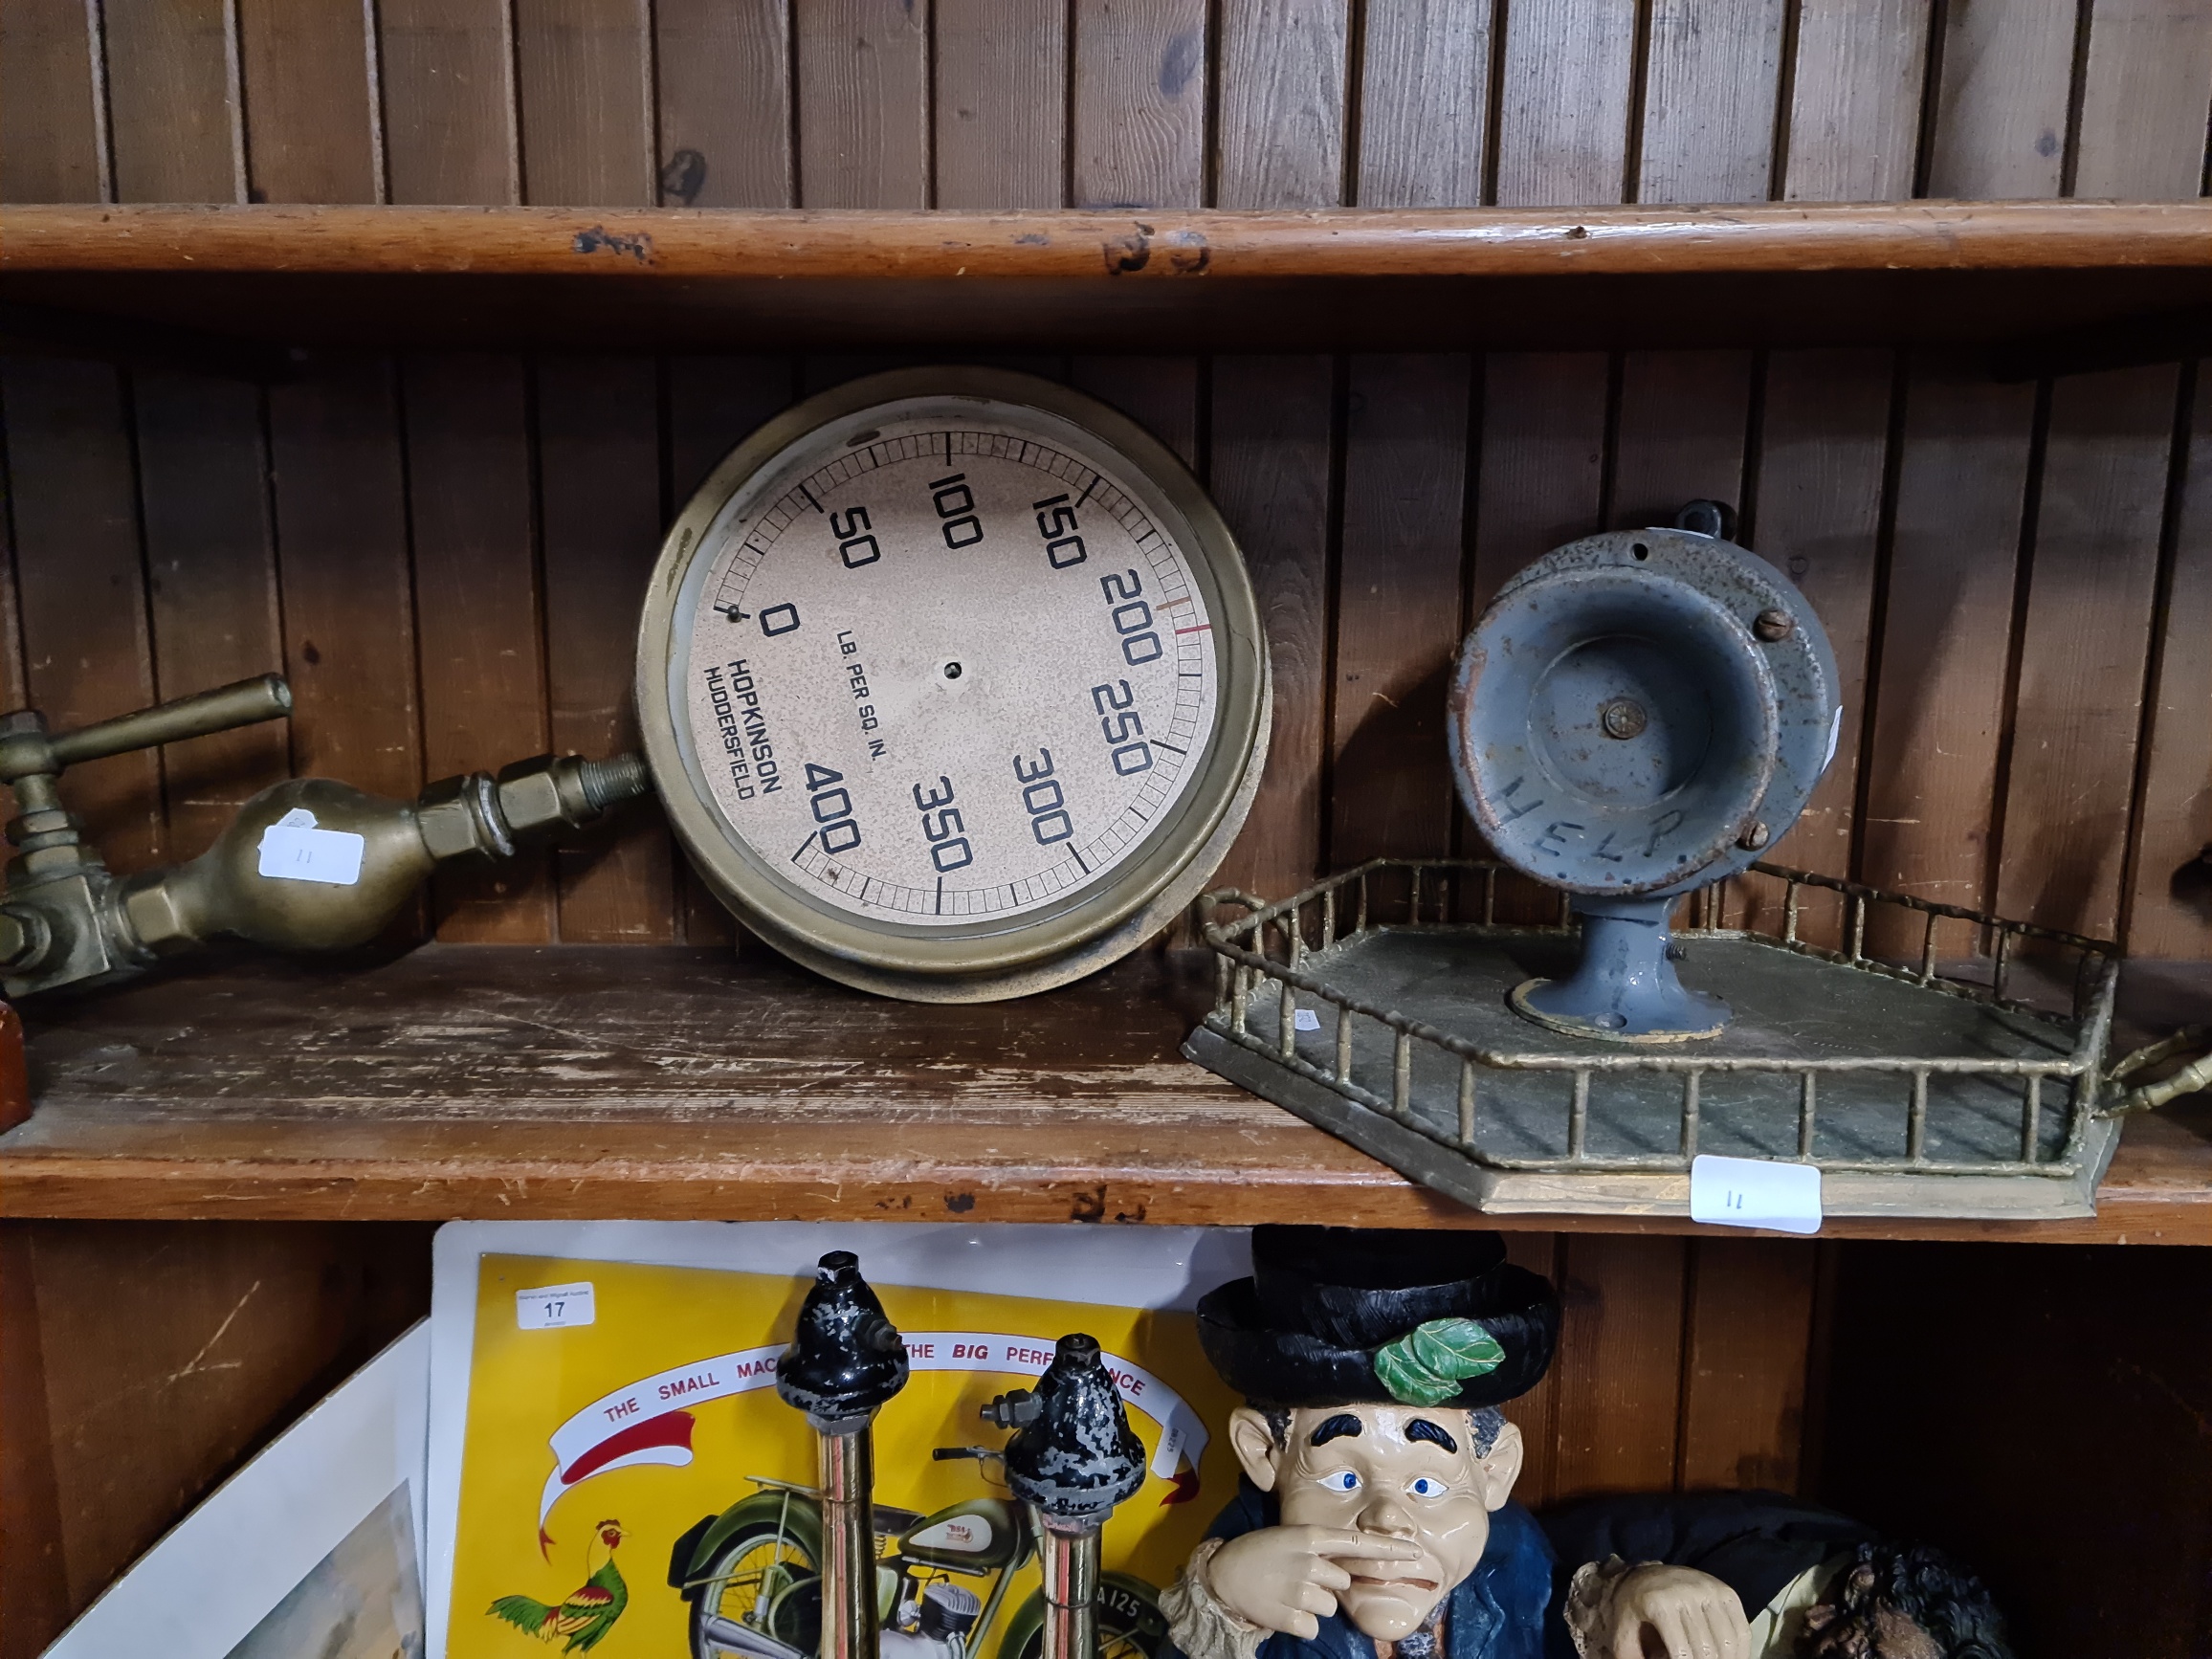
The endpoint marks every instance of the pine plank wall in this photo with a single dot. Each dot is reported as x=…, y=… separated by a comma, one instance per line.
x=444, y=552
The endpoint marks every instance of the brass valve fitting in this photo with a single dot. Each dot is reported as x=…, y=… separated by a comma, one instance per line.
x=229, y=888
x=307, y=864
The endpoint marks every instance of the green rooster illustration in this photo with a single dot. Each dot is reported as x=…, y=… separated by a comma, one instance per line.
x=587, y=1615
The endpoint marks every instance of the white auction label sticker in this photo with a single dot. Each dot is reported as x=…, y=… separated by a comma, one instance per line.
x=555, y=1307
x=1305, y=1020
x=293, y=850
x=1755, y=1192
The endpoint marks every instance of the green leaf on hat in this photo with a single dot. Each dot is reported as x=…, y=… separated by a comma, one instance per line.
x=1456, y=1348
x=1408, y=1382
x=1428, y=1364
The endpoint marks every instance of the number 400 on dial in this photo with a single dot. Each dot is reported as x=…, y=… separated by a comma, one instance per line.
x=953, y=684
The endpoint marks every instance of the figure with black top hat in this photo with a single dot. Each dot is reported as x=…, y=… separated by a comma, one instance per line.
x=1375, y=1519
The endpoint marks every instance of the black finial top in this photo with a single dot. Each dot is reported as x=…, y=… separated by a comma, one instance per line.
x=847, y=1358
x=1077, y=1458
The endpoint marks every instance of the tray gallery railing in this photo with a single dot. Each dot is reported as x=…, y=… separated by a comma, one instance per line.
x=1267, y=957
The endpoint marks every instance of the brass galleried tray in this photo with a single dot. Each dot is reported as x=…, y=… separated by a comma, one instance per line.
x=1374, y=1005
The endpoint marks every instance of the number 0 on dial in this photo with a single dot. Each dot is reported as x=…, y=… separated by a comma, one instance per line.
x=953, y=684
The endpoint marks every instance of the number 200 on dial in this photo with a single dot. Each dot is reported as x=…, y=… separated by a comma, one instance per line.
x=953, y=684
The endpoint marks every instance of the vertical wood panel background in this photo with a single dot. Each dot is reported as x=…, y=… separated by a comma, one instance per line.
x=1424, y=103
x=444, y=552
x=51, y=127
x=308, y=69
x=1001, y=94
x=211, y=585
x=175, y=107
x=1136, y=120
x=446, y=72
x=479, y=600
x=724, y=88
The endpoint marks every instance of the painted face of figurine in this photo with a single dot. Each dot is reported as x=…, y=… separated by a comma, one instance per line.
x=1402, y=1471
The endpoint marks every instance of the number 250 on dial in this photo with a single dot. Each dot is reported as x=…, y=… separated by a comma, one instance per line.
x=952, y=682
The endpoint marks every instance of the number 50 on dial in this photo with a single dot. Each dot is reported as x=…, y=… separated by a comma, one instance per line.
x=953, y=684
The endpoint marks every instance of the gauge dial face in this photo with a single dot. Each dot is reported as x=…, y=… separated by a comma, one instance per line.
x=947, y=667
x=952, y=673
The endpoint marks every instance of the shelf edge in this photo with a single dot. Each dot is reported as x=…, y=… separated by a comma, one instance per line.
x=1164, y=246
x=67, y=1187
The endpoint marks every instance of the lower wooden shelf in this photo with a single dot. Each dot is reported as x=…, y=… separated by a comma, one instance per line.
x=623, y=1081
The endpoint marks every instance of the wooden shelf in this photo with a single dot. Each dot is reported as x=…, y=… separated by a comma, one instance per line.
x=1148, y=246
x=1905, y=271
x=625, y=1081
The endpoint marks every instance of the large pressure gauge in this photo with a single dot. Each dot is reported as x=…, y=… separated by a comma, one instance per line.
x=953, y=684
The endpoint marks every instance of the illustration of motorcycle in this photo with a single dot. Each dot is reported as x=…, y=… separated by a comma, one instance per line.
x=752, y=1577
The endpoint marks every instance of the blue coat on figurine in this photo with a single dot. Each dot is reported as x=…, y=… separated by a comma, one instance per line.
x=1375, y=1519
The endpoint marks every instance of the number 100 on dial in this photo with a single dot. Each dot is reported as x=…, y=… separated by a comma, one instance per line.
x=953, y=684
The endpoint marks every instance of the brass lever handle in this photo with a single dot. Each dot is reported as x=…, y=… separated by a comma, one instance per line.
x=27, y=749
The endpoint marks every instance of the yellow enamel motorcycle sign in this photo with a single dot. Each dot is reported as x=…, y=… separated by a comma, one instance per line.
x=632, y=1485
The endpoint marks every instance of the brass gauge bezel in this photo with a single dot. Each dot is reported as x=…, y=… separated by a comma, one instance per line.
x=991, y=958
